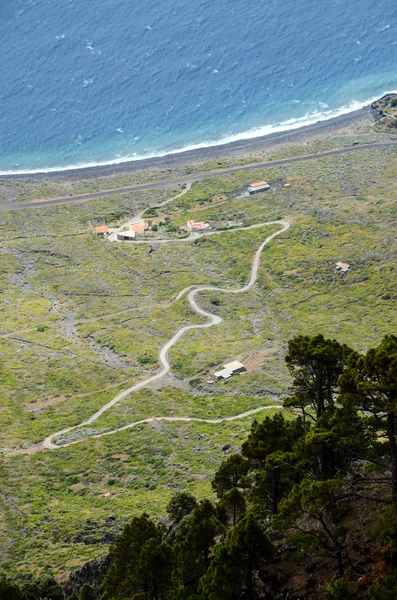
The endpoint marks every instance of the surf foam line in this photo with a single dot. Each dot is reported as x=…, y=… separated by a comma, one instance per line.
x=289, y=125
x=165, y=367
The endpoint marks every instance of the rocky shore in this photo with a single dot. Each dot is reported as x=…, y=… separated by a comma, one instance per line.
x=173, y=162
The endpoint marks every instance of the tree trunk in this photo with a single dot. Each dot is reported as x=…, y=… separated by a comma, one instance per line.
x=391, y=434
x=275, y=480
x=339, y=558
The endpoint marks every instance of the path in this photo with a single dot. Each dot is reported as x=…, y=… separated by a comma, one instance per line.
x=163, y=353
x=191, y=178
x=113, y=236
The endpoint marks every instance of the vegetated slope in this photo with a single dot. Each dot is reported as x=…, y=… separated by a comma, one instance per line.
x=90, y=317
x=306, y=509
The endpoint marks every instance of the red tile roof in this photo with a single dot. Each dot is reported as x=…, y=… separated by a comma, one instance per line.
x=259, y=183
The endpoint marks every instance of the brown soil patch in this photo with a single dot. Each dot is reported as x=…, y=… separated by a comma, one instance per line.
x=253, y=362
x=295, y=180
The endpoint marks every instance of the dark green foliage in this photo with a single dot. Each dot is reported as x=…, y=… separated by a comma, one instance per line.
x=31, y=590
x=315, y=511
x=181, y=505
x=142, y=563
x=10, y=591
x=384, y=589
x=341, y=589
x=193, y=544
x=370, y=385
x=315, y=365
x=233, y=573
x=87, y=592
x=266, y=448
x=232, y=507
x=229, y=474
x=50, y=589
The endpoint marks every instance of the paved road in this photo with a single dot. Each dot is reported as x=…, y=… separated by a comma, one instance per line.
x=191, y=178
x=163, y=353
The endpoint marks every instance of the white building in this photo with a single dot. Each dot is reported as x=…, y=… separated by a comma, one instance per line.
x=229, y=370
x=258, y=186
x=126, y=236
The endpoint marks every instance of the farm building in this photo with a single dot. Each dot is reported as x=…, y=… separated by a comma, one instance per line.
x=342, y=267
x=126, y=236
x=197, y=226
x=102, y=230
x=139, y=227
x=229, y=370
x=258, y=186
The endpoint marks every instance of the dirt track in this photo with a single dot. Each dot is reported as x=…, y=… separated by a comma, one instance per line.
x=191, y=178
x=163, y=352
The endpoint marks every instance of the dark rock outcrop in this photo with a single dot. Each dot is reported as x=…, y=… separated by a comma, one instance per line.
x=92, y=572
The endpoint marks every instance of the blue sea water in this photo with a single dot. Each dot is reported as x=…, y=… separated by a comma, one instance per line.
x=88, y=82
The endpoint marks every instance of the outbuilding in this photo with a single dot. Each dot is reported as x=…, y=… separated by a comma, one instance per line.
x=102, y=230
x=197, y=225
x=126, y=236
x=258, y=186
x=229, y=370
x=235, y=367
x=342, y=267
x=223, y=374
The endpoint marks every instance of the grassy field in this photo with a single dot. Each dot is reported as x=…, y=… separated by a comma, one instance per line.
x=82, y=319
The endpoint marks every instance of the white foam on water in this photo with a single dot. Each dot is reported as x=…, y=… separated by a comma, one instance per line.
x=290, y=124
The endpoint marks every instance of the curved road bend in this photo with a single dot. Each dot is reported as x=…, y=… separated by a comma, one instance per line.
x=192, y=178
x=163, y=352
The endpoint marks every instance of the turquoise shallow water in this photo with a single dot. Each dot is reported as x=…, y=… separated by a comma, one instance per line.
x=86, y=82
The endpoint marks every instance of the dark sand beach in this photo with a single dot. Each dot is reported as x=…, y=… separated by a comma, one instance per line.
x=213, y=153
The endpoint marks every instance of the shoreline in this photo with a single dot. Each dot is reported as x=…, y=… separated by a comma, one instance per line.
x=209, y=153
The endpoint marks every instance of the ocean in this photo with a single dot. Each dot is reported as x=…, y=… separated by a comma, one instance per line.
x=87, y=82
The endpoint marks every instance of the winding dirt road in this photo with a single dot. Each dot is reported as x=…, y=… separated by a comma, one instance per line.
x=164, y=350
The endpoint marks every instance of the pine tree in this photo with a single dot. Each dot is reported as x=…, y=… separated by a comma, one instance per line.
x=193, y=543
x=126, y=576
x=232, y=507
x=266, y=448
x=181, y=505
x=51, y=589
x=233, y=573
x=314, y=511
x=10, y=591
x=369, y=384
x=315, y=364
x=87, y=592
x=384, y=589
x=229, y=474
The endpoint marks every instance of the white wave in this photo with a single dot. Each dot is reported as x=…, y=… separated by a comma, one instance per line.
x=290, y=124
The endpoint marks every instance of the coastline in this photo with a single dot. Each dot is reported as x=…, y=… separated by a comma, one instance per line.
x=210, y=153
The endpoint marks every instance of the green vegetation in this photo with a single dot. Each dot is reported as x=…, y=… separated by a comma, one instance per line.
x=81, y=319
x=242, y=546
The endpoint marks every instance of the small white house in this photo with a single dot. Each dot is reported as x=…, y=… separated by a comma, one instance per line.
x=258, y=186
x=126, y=236
x=223, y=374
x=235, y=367
x=229, y=370
x=198, y=226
